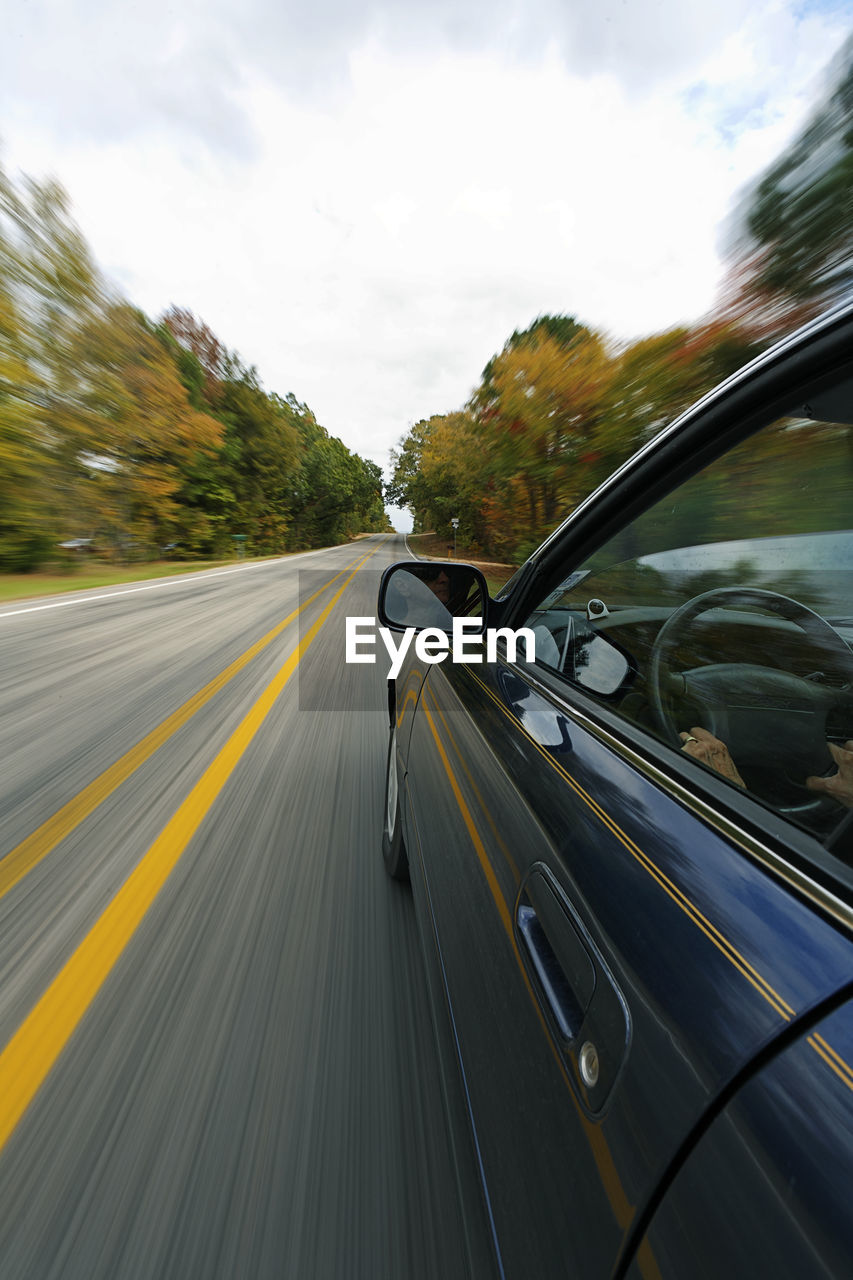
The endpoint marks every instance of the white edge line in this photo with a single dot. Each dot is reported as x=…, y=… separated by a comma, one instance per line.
x=202, y=575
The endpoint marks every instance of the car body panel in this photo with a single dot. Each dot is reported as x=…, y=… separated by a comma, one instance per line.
x=482, y=1248
x=405, y=704
x=672, y=918
x=779, y=1159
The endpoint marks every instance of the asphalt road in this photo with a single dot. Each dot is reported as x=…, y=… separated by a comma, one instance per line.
x=216, y=1055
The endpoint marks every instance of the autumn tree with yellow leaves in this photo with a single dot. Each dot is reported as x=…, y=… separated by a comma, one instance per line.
x=557, y=410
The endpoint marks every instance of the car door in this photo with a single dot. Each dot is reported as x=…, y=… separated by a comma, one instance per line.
x=623, y=932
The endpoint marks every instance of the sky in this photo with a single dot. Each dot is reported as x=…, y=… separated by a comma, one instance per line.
x=364, y=199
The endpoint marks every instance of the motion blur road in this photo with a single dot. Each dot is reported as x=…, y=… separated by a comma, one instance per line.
x=217, y=1056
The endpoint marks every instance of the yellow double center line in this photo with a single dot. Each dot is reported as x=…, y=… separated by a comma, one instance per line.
x=20, y=860
x=32, y=1051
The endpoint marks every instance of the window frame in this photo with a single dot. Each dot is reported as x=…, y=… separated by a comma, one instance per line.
x=774, y=387
x=737, y=409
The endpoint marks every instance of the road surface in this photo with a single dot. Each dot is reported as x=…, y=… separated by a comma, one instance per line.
x=216, y=1052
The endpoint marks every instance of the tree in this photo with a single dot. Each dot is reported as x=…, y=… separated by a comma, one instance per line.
x=49, y=291
x=209, y=360
x=789, y=242
x=538, y=415
x=555, y=414
x=260, y=459
x=136, y=433
x=336, y=493
x=437, y=472
x=656, y=378
x=139, y=434
x=406, y=487
x=25, y=516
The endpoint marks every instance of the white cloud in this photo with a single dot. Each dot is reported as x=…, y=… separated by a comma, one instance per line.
x=366, y=215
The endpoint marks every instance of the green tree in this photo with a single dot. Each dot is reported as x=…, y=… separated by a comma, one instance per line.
x=49, y=291
x=438, y=474
x=336, y=493
x=260, y=459
x=789, y=246
x=26, y=524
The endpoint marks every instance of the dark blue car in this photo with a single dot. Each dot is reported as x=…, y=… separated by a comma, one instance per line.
x=631, y=854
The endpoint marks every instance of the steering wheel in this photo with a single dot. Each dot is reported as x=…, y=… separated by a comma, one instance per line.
x=767, y=718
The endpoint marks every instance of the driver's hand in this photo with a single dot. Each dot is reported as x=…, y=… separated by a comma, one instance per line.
x=840, y=785
x=703, y=746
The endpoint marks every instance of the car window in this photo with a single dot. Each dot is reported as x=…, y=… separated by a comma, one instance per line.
x=721, y=619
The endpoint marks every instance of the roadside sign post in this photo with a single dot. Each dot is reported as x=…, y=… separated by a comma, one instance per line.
x=455, y=523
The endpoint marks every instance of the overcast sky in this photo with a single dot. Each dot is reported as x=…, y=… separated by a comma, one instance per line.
x=365, y=199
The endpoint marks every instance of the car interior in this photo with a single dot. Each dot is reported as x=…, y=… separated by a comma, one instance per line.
x=729, y=605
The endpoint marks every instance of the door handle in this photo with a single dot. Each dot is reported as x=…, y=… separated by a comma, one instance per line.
x=587, y=1012
x=567, y=988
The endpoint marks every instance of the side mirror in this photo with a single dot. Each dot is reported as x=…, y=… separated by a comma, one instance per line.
x=598, y=665
x=431, y=593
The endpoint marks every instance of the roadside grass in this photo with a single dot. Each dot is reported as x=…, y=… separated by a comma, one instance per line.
x=433, y=547
x=29, y=586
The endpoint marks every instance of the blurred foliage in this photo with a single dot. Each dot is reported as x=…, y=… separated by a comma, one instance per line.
x=439, y=472
x=560, y=407
x=134, y=440
x=557, y=410
x=801, y=214
x=790, y=241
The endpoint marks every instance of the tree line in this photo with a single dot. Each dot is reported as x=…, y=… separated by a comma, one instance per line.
x=136, y=437
x=560, y=406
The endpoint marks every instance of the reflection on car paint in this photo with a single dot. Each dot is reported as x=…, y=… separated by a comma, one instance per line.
x=748, y=971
